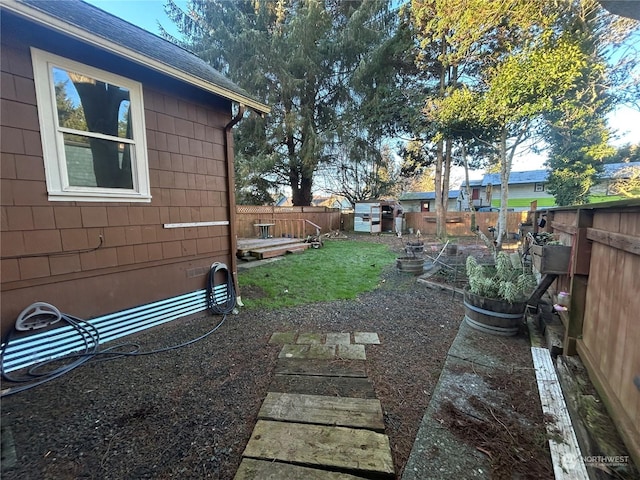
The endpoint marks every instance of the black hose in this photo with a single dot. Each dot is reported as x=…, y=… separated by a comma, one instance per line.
x=91, y=339
x=215, y=306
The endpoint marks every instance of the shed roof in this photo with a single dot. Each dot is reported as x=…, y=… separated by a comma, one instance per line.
x=103, y=30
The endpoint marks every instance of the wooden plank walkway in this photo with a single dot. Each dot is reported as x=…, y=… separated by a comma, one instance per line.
x=320, y=419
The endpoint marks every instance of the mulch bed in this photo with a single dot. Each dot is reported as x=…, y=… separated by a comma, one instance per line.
x=188, y=413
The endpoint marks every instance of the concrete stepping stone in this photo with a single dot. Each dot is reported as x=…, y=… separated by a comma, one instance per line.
x=338, y=339
x=252, y=469
x=310, y=338
x=353, y=387
x=326, y=352
x=351, y=352
x=366, y=338
x=283, y=338
x=322, y=410
x=356, y=450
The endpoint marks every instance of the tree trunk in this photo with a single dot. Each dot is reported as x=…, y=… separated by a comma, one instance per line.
x=438, y=179
x=505, y=171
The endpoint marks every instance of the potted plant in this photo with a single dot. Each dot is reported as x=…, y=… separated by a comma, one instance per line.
x=495, y=300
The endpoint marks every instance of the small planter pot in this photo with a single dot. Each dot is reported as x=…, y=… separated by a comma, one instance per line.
x=493, y=316
x=413, y=265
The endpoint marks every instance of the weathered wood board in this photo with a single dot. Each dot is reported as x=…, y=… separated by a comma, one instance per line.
x=565, y=452
x=353, y=387
x=251, y=469
x=321, y=410
x=326, y=352
x=355, y=450
x=326, y=368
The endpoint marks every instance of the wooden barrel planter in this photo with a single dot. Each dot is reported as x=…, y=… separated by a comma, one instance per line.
x=493, y=316
x=413, y=265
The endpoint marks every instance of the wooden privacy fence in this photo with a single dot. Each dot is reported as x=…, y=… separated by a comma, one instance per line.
x=603, y=321
x=459, y=223
x=294, y=222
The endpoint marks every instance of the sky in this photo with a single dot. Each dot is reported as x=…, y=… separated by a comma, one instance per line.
x=147, y=13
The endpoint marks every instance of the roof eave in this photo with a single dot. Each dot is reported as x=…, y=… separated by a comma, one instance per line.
x=87, y=37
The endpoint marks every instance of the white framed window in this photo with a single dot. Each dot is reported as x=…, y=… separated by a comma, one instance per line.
x=92, y=130
x=538, y=187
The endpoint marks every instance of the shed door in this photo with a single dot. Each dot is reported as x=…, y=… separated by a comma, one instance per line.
x=376, y=219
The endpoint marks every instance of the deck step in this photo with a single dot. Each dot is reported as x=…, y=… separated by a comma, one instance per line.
x=270, y=252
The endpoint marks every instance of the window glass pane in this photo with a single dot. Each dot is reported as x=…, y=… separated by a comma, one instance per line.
x=86, y=104
x=93, y=162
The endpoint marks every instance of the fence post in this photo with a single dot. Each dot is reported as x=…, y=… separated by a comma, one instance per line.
x=580, y=260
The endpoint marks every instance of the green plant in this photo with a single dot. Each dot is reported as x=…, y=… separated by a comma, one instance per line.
x=506, y=281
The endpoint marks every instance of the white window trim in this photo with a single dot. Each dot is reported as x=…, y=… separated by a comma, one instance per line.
x=53, y=144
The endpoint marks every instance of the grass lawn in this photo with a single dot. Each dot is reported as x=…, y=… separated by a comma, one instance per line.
x=339, y=270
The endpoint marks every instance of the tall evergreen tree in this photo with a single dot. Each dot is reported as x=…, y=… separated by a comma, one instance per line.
x=299, y=57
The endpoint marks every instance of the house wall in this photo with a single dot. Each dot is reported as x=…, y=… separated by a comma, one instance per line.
x=520, y=197
x=50, y=250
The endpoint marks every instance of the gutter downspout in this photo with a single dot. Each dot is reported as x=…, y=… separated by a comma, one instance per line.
x=231, y=187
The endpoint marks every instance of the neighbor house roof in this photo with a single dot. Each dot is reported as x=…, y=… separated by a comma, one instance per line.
x=529, y=176
x=610, y=170
x=408, y=196
x=615, y=170
x=105, y=31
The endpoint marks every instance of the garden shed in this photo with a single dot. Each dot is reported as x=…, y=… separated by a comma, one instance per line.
x=117, y=165
x=373, y=216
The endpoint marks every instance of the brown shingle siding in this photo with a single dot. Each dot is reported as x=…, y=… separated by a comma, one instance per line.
x=28, y=192
x=166, y=124
x=34, y=267
x=32, y=143
x=67, y=217
x=171, y=249
x=204, y=245
x=184, y=128
x=29, y=167
x=20, y=218
x=16, y=60
x=12, y=244
x=125, y=255
x=43, y=241
x=43, y=218
x=10, y=270
x=65, y=264
x=133, y=234
x=8, y=87
x=7, y=165
x=94, y=216
x=114, y=237
x=25, y=90
x=140, y=253
x=19, y=115
x=118, y=216
x=74, y=239
x=150, y=215
x=177, y=163
x=135, y=215
x=155, y=251
x=11, y=140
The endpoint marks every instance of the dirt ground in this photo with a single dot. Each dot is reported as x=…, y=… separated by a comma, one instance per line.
x=188, y=413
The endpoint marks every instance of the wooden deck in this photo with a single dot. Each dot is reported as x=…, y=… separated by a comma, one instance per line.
x=320, y=419
x=261, y=248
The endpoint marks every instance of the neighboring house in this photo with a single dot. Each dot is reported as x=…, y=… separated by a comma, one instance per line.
x=333, y=201
x=426, y=201
x=528, y=186
x=117, y=165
